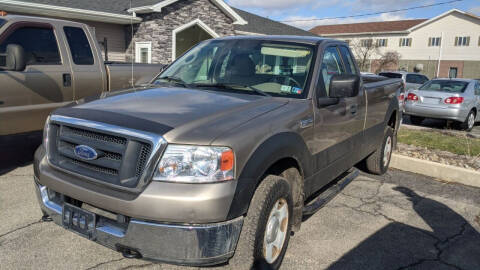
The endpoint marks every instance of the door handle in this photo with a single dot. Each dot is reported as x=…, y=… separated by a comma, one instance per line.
x=353, y=109
x=2, y=102
x=67, y=80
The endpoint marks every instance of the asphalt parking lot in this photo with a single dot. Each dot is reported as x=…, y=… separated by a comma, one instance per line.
x=397, y=221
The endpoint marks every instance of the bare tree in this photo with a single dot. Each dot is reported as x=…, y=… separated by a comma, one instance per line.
x=388, y=60
x=364, y=50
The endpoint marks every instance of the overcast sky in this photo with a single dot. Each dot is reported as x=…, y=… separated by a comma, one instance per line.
x=282, y=10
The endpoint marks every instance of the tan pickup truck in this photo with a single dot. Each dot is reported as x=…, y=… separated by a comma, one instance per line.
x=47, y=63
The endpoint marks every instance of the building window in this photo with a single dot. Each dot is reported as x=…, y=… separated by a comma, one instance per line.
x=382, y=42
x=366, y=42
x=143, y=52
x=462, y=41
x=452, y=72
x=434, y=41
x=478, y=41
x=405, y=42
x=348, y=41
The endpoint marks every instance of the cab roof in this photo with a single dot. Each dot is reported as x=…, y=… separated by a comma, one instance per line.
x=298, y=39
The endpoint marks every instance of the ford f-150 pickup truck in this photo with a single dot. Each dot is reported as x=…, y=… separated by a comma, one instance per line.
x=220, y=158
x=46, y=64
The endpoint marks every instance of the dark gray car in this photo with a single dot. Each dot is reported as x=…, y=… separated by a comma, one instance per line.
x=221, y=157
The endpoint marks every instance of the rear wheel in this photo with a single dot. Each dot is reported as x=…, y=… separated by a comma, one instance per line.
x=267, y=226
x=378, y=162
x=469, y=123
x=416, y=120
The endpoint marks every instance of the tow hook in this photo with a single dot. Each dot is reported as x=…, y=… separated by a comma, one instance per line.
x=46, y=218
x=128, y=253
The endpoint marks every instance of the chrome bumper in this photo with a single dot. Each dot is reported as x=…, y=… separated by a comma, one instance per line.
x=194, y=245
x=457, y=114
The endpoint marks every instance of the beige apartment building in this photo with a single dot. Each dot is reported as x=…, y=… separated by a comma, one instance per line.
x=443, y=46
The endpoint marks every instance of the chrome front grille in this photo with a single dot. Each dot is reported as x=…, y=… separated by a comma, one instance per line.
x=123, y=159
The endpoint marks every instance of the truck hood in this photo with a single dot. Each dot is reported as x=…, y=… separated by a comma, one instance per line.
x=179, y=114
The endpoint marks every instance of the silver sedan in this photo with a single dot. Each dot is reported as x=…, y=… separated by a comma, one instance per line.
x=450, y=99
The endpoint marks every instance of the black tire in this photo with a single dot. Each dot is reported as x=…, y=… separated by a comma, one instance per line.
x=465, y=125
x=249, y=253
x=416, y=120
x=375, y=162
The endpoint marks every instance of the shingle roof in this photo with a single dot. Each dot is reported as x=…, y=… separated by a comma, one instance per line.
x=110, y=6
x=262, y=25
x=256, y=24
x=367, y=27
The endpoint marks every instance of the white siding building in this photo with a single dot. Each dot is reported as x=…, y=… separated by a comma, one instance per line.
x=451, y=39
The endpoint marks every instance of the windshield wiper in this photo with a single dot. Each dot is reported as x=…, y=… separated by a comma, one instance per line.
x=176, y=80
x=231, y=86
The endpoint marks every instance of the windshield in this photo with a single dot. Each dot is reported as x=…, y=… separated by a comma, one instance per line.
x=445, y=86
x=245, y=66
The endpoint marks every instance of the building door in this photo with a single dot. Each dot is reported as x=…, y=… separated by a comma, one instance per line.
x=188, y=35
x=452, y=73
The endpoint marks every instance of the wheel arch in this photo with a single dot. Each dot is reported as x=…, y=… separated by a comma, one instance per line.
x=277, y=153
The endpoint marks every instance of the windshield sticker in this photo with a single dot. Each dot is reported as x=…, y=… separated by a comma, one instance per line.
x=286, y=88
x=296, y=90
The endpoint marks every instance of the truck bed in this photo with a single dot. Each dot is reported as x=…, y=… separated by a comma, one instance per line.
x=120, y=74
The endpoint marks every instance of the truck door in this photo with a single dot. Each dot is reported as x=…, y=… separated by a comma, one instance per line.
x=338, y=127
x=28, y=96
x=88, y=76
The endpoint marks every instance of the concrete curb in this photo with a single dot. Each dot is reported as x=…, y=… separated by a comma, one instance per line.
x=436, y=170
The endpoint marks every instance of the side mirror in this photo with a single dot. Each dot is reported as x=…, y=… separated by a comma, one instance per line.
x=14, y=58
x=344, y=85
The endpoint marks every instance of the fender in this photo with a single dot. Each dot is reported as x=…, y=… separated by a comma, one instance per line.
x=393, y=108
x=275, y=148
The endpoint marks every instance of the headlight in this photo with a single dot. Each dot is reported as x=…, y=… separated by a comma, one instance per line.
x=195, y=164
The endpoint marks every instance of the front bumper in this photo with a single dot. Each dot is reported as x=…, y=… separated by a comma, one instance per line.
x=184, y=244
x=448, y=113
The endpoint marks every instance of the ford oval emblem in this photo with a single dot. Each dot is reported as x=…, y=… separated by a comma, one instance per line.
x=85, y=152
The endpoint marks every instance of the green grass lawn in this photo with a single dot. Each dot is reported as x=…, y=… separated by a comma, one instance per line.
x=435, y=140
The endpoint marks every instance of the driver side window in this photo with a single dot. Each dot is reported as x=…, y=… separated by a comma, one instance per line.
x=331, y=65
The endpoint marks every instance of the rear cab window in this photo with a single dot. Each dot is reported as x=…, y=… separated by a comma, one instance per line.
x=391, y=75
x=79, y=46
x=417, y=79
x=39, y=43
x=450, y=86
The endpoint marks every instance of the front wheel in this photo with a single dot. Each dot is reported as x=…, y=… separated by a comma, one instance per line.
x=378, y=162
x=267, y=226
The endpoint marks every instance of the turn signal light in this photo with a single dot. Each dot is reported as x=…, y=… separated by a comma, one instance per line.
x=3, y=13
x=412, y=97
x=454, y=100
x=227, y=161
